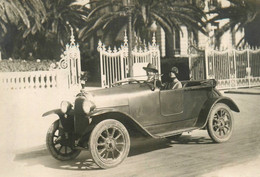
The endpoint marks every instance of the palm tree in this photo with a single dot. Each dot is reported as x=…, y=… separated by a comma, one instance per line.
x=16, y=11
x=16, y=16
x=240, y=13
x=111, y=17
x=61, y=15
x=41, y=27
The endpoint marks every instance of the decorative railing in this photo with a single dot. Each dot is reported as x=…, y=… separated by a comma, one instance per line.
x=232, y=68
x=33, y=80
x=114, y=64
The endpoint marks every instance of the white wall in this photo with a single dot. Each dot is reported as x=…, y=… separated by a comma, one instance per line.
x=184, y=41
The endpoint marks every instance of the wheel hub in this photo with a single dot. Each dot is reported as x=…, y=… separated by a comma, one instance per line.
x=110, y=144
x=221, y=123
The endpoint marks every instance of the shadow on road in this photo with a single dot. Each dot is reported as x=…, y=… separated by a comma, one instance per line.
x=139, y=146
x=188, y=139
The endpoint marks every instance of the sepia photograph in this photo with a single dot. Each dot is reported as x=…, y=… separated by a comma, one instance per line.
x=130, y=88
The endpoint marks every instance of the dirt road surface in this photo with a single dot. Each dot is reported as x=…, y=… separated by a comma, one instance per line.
x=23, y=153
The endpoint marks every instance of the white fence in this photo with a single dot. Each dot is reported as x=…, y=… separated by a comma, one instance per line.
x=114, y=64
x=234, y=68
x=34, y=80
x=231, y=68
x=66, y=76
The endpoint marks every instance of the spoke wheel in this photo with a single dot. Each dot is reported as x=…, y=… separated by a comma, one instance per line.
x=109, y=143
x=57, y=144
x=220, y=123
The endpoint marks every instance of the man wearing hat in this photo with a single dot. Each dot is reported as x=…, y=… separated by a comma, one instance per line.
x=175, y=84
x=151, y=72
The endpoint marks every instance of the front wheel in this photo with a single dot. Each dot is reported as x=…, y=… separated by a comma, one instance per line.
x=220, y=123
x=59, y=144
x=109, y=143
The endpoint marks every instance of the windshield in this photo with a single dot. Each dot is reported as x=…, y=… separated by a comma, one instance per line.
x=137, y=79
x=130, y=80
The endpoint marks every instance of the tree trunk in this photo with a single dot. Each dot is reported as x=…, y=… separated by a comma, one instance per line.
x=233, y=37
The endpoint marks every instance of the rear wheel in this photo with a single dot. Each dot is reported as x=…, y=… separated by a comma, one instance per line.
x=220, y=123
x=59, y=144
x=109, y=143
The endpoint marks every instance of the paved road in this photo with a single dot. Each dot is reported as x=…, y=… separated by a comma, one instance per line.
x=193, y=155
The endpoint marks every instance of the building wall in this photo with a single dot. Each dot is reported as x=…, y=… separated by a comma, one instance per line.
x=184, y=42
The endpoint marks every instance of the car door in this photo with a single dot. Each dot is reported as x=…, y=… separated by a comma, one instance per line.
x=144, y=105
x=171, y=112
x=171, y=103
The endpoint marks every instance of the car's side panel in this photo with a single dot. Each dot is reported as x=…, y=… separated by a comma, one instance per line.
x=168, y=110
x=186, y=104
x=155, y=131
x=194, y=99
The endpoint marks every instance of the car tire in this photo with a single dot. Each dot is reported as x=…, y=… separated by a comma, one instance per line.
x=109, y=143
x=59, y=150
x=220, y=123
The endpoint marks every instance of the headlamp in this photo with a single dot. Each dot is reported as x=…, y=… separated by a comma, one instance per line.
x=65, y=106
x=88, y=106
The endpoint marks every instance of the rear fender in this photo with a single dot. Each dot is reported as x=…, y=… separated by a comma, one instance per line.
x=127, y=120
x=209, y=104
x=66, y=120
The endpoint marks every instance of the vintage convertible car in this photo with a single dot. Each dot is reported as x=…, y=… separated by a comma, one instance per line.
x=103, y=120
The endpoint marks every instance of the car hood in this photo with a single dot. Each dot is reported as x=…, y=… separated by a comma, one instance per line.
x=116, y=96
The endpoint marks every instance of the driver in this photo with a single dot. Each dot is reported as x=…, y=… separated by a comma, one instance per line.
x=150, y=72
x=152, y=75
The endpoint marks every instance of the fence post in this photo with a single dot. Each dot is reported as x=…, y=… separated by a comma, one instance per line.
x=235, y=64
x=229, y=68
x=159, y=61
x=206, y=62
x=99, y=48
x=122, y=63
x=248, y=69
x=213, y=64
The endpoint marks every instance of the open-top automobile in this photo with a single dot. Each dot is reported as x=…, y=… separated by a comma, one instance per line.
x=103, y=120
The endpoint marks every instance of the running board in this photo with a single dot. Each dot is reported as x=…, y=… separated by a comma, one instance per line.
x=175, y=132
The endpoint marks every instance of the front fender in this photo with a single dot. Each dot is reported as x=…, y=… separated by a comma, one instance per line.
x=209, y=104
x=67, y=120
x=54, y=111
x=123, y=117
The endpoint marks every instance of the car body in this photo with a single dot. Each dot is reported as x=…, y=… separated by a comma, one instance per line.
x=101, y=120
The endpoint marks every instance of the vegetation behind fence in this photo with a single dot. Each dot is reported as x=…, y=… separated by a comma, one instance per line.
x=18, y=65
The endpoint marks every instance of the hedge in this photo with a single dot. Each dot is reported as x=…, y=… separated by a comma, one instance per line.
x=18, y=65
